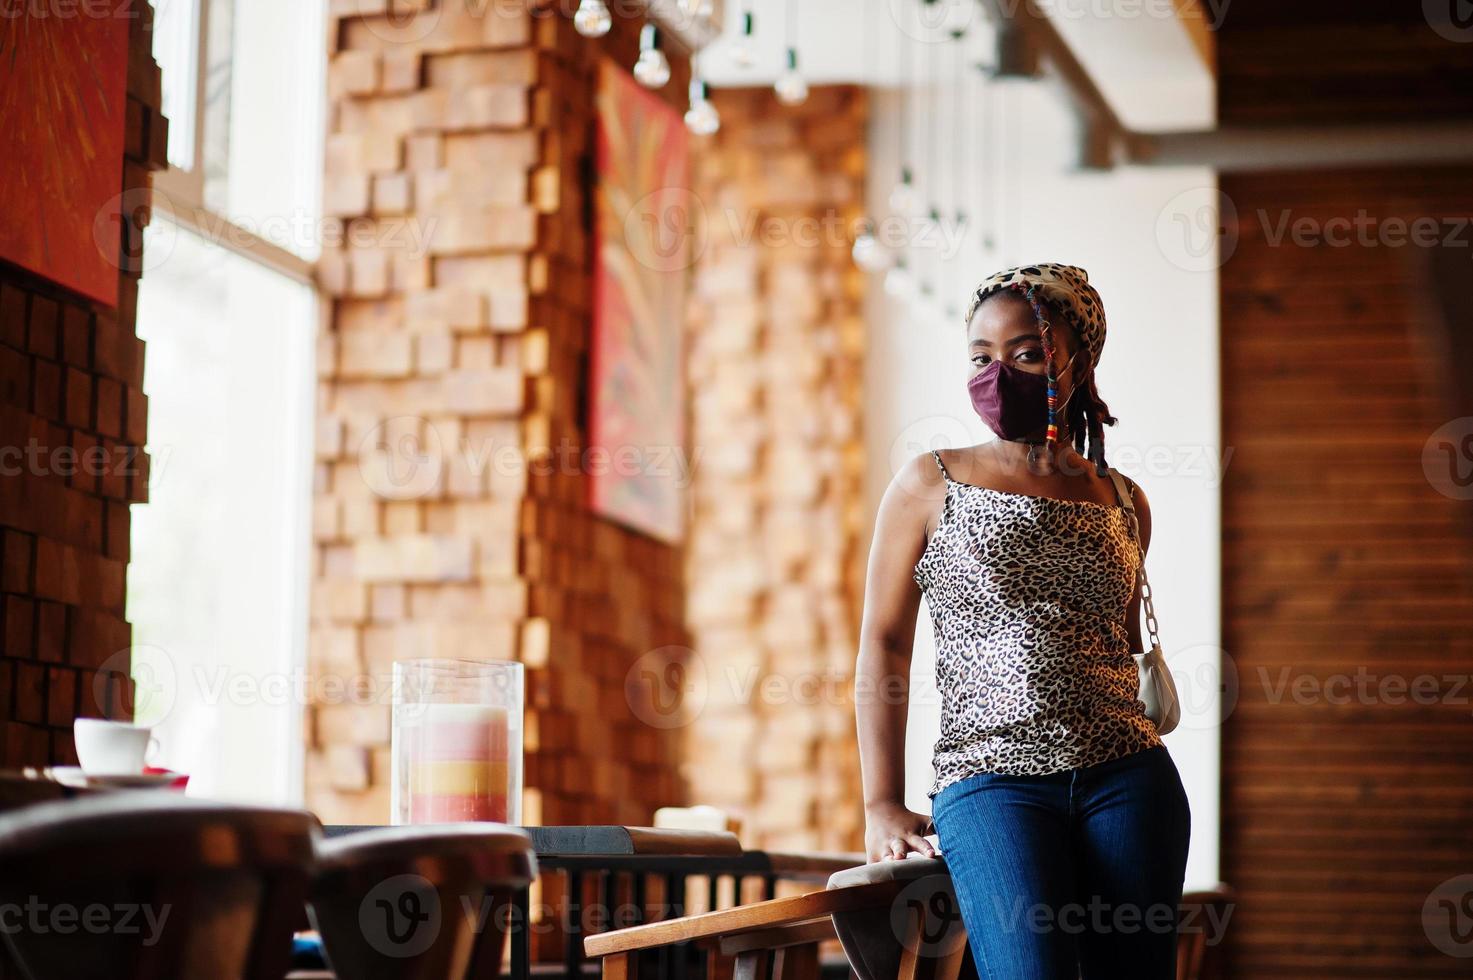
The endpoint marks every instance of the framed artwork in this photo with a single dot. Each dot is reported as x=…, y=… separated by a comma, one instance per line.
x=643, y=252
x=63, y=93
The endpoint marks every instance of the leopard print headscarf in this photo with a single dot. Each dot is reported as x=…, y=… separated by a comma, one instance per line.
x=1067, y=290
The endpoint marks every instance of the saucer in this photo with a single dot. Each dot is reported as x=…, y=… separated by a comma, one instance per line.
x=74, y=776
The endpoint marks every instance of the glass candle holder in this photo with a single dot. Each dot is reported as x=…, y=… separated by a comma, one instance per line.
x=457, y=742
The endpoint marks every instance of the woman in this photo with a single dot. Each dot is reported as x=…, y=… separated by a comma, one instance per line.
x=1060, y=814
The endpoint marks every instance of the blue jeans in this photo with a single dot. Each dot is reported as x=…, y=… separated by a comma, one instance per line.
x=1072, y=875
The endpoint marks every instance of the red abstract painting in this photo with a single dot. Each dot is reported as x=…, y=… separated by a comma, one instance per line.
x=644, y=250
x=63, y=88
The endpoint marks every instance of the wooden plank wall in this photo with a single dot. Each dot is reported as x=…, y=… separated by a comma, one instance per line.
x=1345, y=573
x=1340, y=61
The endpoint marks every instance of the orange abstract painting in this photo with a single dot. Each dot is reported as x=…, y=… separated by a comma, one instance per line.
x=644, y=226
x=63, y=86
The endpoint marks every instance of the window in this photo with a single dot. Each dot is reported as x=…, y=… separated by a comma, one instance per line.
x=218, y=579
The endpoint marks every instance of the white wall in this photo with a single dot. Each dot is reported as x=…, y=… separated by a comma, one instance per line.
x=1159, y=373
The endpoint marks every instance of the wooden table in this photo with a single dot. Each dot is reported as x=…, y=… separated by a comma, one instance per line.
x=613, y=853
x=19, y=788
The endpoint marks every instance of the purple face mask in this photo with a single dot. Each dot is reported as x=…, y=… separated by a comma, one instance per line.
x=1013, y=402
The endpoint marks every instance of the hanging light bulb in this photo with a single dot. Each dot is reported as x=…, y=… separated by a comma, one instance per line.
x=652, y=70
x=868, y=253
x=701, y=118
x=592, y=18
x=791, y=88
x=903, y=199
x=742, y=51
x=897, y=280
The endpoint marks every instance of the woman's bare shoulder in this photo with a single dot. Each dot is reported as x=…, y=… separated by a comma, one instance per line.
x=918, y=483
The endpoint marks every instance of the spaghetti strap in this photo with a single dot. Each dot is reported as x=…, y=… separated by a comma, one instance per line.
x=936, y=455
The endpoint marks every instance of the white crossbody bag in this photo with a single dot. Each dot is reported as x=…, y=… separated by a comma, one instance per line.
x=1157, y=689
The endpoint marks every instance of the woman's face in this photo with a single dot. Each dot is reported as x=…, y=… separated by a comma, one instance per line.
x=1005, y=329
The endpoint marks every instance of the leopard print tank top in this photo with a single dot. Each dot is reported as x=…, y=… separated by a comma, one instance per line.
x=1028, y=599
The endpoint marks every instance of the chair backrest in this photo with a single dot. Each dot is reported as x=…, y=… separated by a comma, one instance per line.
x=427, y=903
x=149, y=885
x=1201, y=930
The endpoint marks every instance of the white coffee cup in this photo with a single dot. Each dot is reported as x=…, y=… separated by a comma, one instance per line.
x=111, y=748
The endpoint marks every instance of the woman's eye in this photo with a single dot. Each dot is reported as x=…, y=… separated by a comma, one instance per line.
x=981, y=360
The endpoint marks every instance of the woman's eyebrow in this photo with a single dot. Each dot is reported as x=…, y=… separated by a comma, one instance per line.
x=979, y=342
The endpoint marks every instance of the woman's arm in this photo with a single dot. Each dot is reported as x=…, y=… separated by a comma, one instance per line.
x=882, y=677
x=1133, y=612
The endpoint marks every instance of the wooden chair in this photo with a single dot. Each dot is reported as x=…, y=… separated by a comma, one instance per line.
x=898, y=920
x=779, y=939
x=419, y=903
x=1199, y=943
x=151, y=887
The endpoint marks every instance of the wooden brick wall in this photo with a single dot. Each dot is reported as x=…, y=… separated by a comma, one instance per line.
x=1331, y=61
x=471, y=125
x=1347, y=796
x=73, y=419
x=775, y=558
